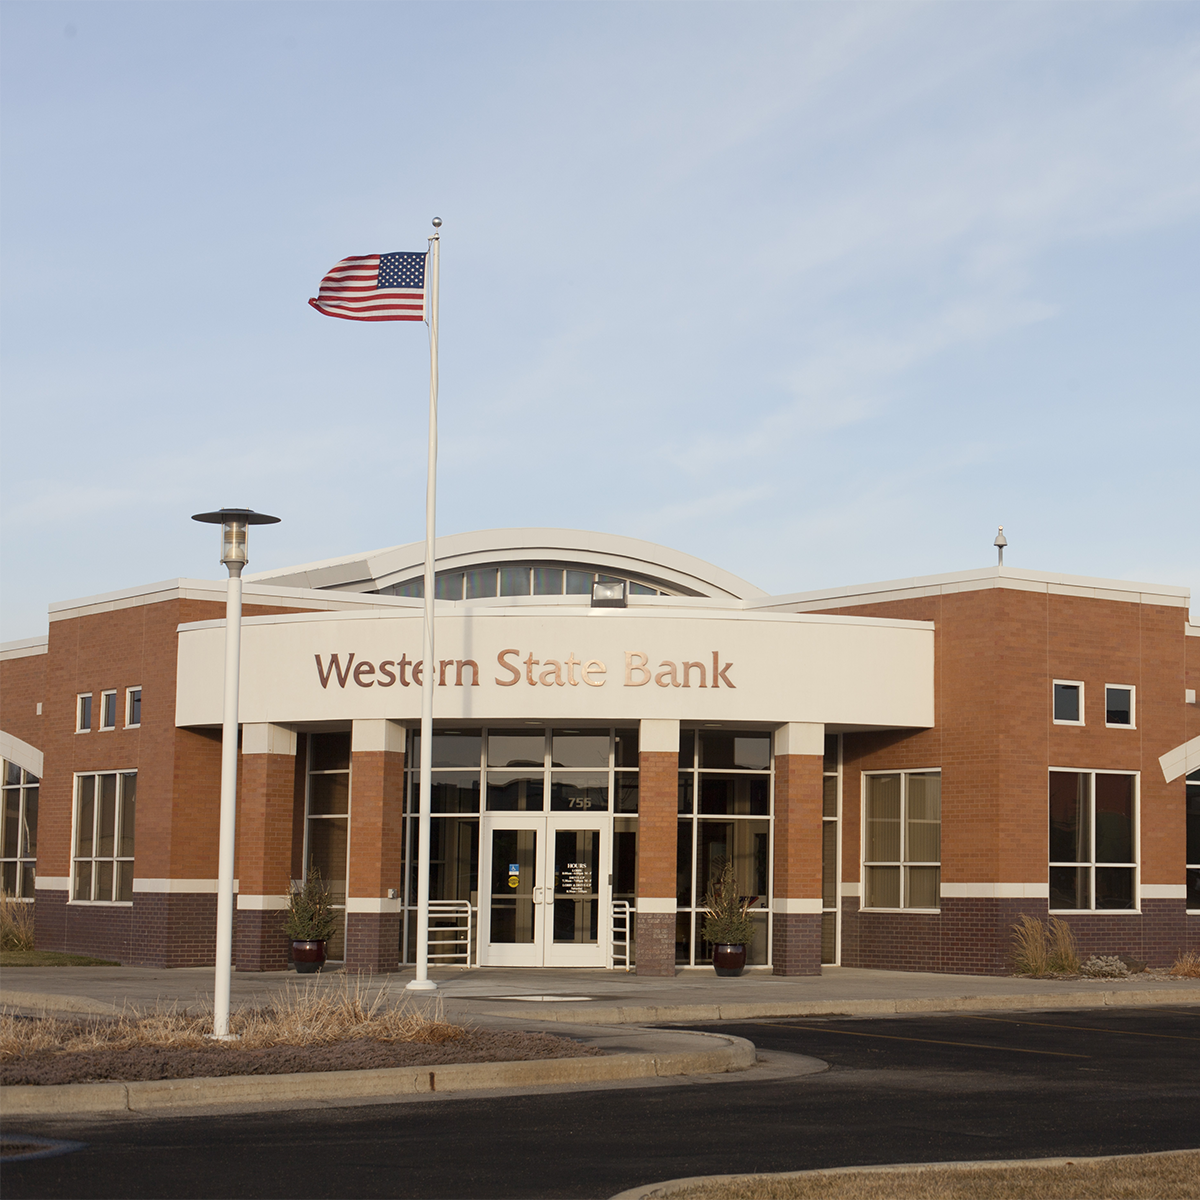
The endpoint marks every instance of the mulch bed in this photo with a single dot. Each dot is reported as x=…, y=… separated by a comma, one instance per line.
x=163, y=1062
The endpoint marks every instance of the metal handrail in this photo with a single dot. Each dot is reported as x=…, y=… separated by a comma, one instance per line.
x=451, y=932
x=621, y=952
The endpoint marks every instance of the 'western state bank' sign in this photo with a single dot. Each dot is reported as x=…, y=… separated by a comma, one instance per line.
x=577, y=664
x=548, y=672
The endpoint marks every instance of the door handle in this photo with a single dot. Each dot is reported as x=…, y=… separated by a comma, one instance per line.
x=538, y=898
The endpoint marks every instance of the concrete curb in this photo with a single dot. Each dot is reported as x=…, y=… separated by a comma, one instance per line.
x=665, y=1188
x=677, y=1013
x=150, y=1096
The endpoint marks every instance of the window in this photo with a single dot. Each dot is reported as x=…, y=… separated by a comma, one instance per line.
x=102, y=865
x=902, y=840
x=327, y=827
x=1193, y=840
x=83, y=713
x=1093, y=839
x=108, y=710
x=133, y=707
x=1068, y=702
x=829, y=848
x=18, y=830
x=1118, y=706
x=726, y=779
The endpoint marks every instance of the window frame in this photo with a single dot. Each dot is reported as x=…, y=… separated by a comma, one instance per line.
x=1092, y=864
x=129, y=694
x=1082, y=694
x=1191, y=783
x=118, y=828
x=104, y=727
x=902, y=863
x=25, y=858
x=1121, y=687
x=80, y=698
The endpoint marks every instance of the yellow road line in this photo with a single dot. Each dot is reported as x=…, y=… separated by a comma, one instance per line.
x=1175, y=1037
x=888, y=1037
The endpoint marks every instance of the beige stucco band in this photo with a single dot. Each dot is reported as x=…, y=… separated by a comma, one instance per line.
x=268, y=739
x=659, y=737
x=368, y=736
x=800, y=737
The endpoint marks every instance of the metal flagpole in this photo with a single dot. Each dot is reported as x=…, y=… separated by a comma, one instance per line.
x=422, y=982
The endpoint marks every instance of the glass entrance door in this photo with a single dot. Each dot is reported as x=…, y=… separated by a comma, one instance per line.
x=548, y=893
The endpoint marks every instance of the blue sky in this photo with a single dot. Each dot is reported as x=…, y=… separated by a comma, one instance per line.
x=822, y=293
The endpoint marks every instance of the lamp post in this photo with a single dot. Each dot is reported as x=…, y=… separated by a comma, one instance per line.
x=235, y=523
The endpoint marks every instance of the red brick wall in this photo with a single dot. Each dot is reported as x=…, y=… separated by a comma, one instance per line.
x=22, y=686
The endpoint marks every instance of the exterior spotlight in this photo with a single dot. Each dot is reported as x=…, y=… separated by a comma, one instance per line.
x=235, y=523
x=1000, y=542
x=608, y=593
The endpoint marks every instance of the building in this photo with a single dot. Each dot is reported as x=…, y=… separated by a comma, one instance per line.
x=897, y=770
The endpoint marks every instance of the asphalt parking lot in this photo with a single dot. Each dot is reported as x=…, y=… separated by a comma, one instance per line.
x=902, y=1089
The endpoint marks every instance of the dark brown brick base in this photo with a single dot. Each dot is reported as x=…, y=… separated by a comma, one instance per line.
x=973, y=936
x=372, y=942
x=656, y=944
x=796, y=944
x=174, y=929
x=259, y=943
x=101, y=930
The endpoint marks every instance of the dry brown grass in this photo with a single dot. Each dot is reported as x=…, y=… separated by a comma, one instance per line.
x=16, y=923
x=1187, y=965
x=1043, y=949
x=1174, y=1176
x=300, y=1017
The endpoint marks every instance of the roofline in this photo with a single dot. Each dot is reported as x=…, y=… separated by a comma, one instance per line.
x=25, y=647
x=380, y=568
x=980, y=579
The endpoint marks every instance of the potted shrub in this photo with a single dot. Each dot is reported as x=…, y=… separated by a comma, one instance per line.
x=310, y=921
x=726, y=923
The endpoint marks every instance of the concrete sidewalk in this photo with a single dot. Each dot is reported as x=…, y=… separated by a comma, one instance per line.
x=499, y=996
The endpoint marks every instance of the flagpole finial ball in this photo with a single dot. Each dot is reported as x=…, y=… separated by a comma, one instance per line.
x=437, y=222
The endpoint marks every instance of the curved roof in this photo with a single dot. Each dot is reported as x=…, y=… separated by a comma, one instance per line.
x=376, y=569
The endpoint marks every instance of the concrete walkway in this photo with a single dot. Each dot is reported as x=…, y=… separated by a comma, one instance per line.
x=499, y=996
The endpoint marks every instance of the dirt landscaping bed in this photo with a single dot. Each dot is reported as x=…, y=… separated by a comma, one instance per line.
x=128, y=1063
x=354, y=1027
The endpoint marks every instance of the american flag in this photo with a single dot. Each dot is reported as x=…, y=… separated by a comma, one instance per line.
x=374, y=287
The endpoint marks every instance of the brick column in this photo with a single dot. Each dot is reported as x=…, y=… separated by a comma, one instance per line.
x=796, y=904
x=658, y=820
x=266, y=797
x=376, y=821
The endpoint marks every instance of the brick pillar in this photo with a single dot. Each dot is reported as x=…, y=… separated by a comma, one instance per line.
x=796, y=904
x=376, y=821
x=658, y=820
x=266, y=796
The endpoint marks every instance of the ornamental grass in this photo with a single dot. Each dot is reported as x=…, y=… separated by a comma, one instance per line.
x=1187, y=965
x=308, y=1016
x=16, y=923
x=1043, y=948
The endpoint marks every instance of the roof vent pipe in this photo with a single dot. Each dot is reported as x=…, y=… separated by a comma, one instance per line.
x=1000, y=542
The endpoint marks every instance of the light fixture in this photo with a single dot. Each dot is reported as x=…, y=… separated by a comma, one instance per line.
x=608, y=593
x=235, y=523
x=1000, y=542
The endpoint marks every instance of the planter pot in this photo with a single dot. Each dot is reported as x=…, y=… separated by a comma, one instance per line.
x=308, y=957
x=728, y=959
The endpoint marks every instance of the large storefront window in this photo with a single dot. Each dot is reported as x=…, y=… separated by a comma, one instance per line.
x=327, y=822
x=102, y=862
x=725, y=796
x=481, y=777
x=1093, y=839
x=18, y=831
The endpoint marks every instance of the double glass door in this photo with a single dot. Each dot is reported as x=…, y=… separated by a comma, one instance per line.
x=546, y=894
